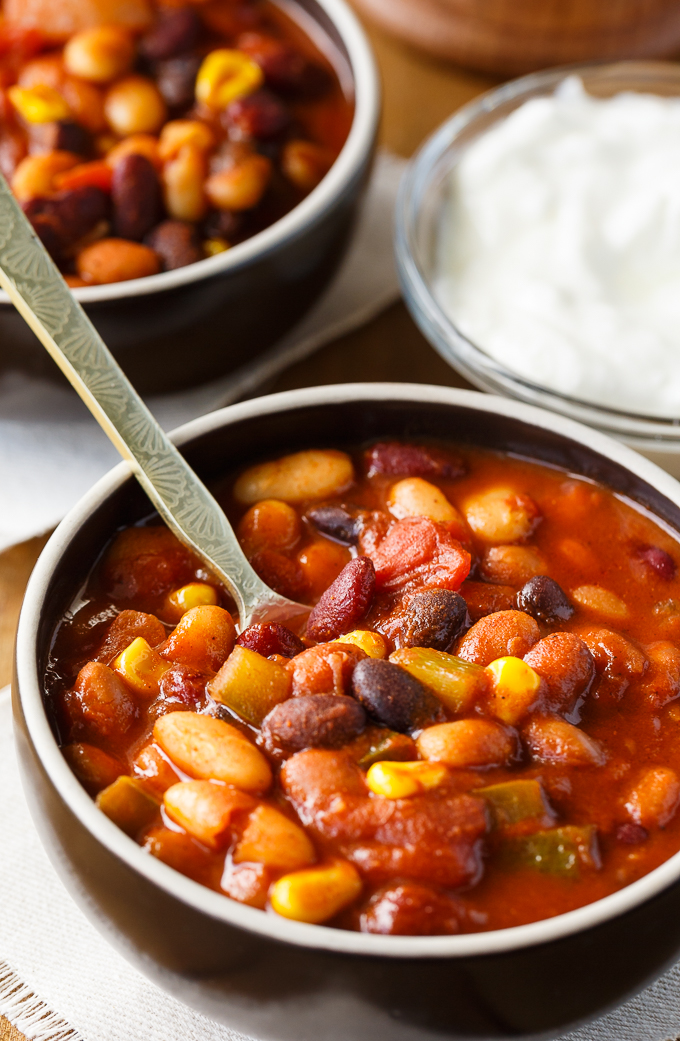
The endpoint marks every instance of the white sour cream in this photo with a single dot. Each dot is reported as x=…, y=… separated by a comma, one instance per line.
x=559, y=254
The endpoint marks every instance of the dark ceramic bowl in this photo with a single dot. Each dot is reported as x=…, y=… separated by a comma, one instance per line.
x=183, y=327
x=278, y=980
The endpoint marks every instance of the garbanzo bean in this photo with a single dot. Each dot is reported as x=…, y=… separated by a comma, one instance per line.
x=501, y=515
x=134, y=106
x=270, y=524
x=184, y=182
x=35, y=174
x=415, y=497
x=100, y=54
x=116, y=260
x=498, y=635
x=241, y=186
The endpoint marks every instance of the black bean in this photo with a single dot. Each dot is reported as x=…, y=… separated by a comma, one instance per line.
x=175, y=33
x=434, y=619
x=176, y=79
x=313, y=721
x=393, y=697
x=336, y=522
x=545, y=600
x=176, y=243
x=259, y=115
x=136, y=197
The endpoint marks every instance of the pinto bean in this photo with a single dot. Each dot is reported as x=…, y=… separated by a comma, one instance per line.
x=176, y=243
x=203, y=639
x=468, y=742
x=345, y=602
x=501, y=515
x=661, y=683
x=543, y=599
x=513, y=565
x=434, y=618
x=125, y=628
x=484, y=598
x=497, y=635
x=325, y=669
x=617, y=661
x=654, y=800
x=116, y=260
x=100, y=703
x=313, y=721
x=556, y=741
x=136, y=196
x=411, y=909
x=565, y=663
x=393, y=697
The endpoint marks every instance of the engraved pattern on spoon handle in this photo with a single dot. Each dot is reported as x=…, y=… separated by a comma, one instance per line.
x=40, y=294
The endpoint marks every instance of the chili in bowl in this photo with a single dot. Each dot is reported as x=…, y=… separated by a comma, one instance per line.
x=462, y=768
x=185, y=147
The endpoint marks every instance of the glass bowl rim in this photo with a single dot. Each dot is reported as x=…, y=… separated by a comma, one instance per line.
x=449, y=341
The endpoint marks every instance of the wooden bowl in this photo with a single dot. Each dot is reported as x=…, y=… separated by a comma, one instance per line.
x=511, y=37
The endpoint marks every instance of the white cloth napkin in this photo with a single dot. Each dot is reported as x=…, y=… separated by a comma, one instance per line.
x=52, y=451
x=57, y=974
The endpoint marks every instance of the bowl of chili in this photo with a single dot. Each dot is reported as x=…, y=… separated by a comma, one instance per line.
x=522, y=602
x=186, y=171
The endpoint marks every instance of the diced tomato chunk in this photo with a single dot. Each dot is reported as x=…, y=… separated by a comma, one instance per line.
x=419, y=553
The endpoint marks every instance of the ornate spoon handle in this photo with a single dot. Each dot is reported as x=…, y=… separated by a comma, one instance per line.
x=43, y=299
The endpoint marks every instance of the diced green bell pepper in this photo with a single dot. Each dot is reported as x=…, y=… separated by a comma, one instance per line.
x=557, y=851
x=512, y=802
x=455, y=682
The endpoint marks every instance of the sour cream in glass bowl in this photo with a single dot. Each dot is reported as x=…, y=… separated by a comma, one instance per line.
x=538, y=244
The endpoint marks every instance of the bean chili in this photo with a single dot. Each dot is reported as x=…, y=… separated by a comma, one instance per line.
x=478, y=729
x=140, y=149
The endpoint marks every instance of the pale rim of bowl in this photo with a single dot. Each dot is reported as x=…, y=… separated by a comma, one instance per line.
x=222, y=908
x=439, y=328
x=354, y=151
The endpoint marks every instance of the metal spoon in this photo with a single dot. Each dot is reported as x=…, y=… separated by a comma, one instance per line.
x=41, y=296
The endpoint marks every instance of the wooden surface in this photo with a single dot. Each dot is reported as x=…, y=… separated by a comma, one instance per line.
x=419, y=94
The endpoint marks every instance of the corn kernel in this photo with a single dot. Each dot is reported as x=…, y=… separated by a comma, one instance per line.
x=372, y=643
x=211, y=247
x=316, y=894
x=515, y=688
x=395, y=780
x=196, y=594
x=141, y=667
x=226, y=75
x=180, y=132
x=40, y=104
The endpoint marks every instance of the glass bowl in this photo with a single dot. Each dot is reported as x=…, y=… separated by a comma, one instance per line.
x=422, y=198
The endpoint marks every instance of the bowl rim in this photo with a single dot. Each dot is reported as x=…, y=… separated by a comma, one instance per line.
x=27, y=687
x=450, y=342
x=354, y=152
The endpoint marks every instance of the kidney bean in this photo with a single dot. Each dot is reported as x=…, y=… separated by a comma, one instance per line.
x=484, y=598
x=657, y=561
x=434, y=618
x=63, y=136
x=392, y=457
x=411, y=909
x=393, y=697
x=313, y=721
x=565, y=663
x=283, y=66
x=176, y=32
x=136, y=197
x=325, y=669
x=64, y=218
x=545, y=600
x=271, y=638
x=176, y=243
x=223, y=224
x=182, y=686
x=176, y=79
x=631, y=834
x=497, y=635
x=259, y=115
x=345, y=602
